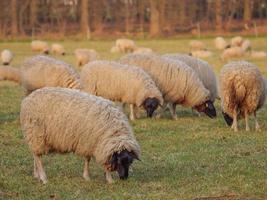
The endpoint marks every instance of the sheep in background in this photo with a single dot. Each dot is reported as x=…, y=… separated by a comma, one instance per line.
x=6, y=56
x=114, y=49
x=40, y=46
x=64, y=120
x=220, y=43
x=178, y=83
x=84, y=56
x=58, y=49
x=125, y=45
x=43, y=71
x=143, y=50
x=258, y=54
x=232, y=52
x=201, y=54
x=237, y=41
x=10, y=74
x=196, y=45
x=118, y=82
x=246, y=46
x=242, y=90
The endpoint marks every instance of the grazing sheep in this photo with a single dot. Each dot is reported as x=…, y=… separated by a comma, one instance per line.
x=40, y=46
x=242, y=90
x=84, y=56
x=178, y=83
x=232, y=52
x=258, y=54
x=220, y=43
x=6, y=57
x=143, y=50
x=201, y=53
x=10, y=74
x=118, y=82
x=114, y=49
x=196, y=45
x=125, y=45
x=246, y=45
x=203, y=70
x=64, y=120
x=236, y=41
x=43, y=71
x=58, y=49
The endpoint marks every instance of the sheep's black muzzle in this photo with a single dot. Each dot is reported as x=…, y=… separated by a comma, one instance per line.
x=150, y=105
x=123, y=172
x=227, y=118
x=210, y=110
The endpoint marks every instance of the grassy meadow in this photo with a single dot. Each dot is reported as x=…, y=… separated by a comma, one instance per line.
x=191, y=158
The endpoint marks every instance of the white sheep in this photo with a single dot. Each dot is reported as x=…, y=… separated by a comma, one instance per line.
x=64, y=120
x=43, y=71
x=10, y=74
x=258, y=54
x=125, y=45
x=143, y=50
x=196, y=45
x=84, y=56
x=237, y=41
x=242, y=90
x=58, y=49
x=114, y=49
x=246, y=45
x=123, y=83
x=201, y=53
x=232, y=52
x=178, y=83
x=40, y=46
x=220, y=43
x=6, y=56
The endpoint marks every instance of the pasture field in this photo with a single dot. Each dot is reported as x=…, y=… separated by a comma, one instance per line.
x=191, y=158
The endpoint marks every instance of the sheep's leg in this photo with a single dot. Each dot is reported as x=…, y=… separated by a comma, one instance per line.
x=109, y=177
x=160, y=112
x=35, y=170
x=86, y=169
x=257, y=126
x=234, y=125
x=172, y=108
x=246, y=120
x=40, y=169
x=132, y=112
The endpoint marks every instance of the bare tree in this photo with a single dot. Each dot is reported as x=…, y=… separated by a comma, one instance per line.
x=154, y=29
x=84, y=21
x=218, y=15
x=14, y=18
x=33, y=14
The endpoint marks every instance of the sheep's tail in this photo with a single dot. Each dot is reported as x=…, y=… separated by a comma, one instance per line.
x=10, y=74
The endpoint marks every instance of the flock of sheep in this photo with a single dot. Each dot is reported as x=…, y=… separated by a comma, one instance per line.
x=67, y=111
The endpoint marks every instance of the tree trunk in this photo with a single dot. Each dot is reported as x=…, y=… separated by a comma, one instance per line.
x=218, y=15
x=154, y=29
x=84, y=22
x=97, y=19
x=14, y=18
x=33, y=15
x=247, y=11
x=141, y=11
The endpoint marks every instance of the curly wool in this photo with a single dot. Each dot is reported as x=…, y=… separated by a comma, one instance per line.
x=177, y=82
x=65, y=120
x=203, y=70
x=118, y=82
x=242, y=85
x=43, y=71
x=10, y=74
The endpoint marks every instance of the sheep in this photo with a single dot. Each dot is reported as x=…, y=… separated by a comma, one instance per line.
x=203, y=70
x=178, y=83
x=114, y=49
x=201, y=53
x=246, y=45
x=236, y=41
x=125, y=45
x=258, y=54
x=220, y=43
x=196, y=45
x=40, y=46
x=10, y=73
x=232, y=52
x=58, y=49
x=6, y=56
x=242, y=89
x=143, y=50
x=64, y=120
x=118, y=82
x=84, y=56
x=43, y=71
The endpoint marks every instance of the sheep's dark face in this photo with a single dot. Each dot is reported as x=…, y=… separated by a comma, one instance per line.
x=46, y=52
x=150, y=105
x=227, y=118
x=121, y=163
x=63, y=54
x=207, y=108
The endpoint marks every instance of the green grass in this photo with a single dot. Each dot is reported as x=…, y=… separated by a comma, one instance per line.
x=189, y=158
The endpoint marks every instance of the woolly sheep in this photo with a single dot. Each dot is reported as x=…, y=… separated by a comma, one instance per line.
x=258, y=54
x=58, y=49
x=125, y=45
x=232, y=52
x=114, y=49
x=203, y=70
x=43, y=71
x=40, y=46
x=178, y=83
x=201, y=53
x=10, y=73
x=143, y=50
x=196, y=45
x=246, y=45
x=64, y=120
x=84, y=56
x=118, y=82
x=220, y=43
x=236, y=41
x=6, y=56
x=242, y=91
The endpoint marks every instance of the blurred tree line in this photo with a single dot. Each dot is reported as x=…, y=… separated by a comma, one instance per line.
x=129, y=17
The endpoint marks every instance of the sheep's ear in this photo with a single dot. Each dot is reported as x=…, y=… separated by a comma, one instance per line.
x=135, y=156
